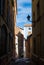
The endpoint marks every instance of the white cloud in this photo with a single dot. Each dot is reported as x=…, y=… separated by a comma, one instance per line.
x=25, y=10
x=20, y=20
x=19, y=2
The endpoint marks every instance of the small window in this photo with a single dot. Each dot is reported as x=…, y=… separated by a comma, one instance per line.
x=32, y=0
x=38, y=10
x=8, y=15
x=0, y=7
x=34, y=45
x=12, y=1
x=3, y=41
x=34, y=19
x=29, y=28
x=38, y=44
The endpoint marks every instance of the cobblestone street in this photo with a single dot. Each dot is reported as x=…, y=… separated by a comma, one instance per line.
x=21, y=62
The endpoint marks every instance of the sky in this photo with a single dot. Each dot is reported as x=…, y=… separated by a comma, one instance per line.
x=24, y=8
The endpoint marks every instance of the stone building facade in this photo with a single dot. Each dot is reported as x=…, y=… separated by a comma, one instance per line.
x=20, y=45
x=38, y=31
x=6, y=31
x=17, y=30
x=28, y=45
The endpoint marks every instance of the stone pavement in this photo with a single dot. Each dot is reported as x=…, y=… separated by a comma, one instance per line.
x=20, y=63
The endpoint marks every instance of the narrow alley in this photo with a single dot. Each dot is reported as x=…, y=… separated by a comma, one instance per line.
x=21, y=32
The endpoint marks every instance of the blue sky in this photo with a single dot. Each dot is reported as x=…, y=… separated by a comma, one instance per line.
x=24, y=7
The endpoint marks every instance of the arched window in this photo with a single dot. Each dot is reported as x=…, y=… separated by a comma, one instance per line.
x=0, y=7
x=10, y=42
x=3, y=40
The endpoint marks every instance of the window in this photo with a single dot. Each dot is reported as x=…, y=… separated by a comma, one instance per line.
x=3, y=7
x=0, y=7
x=3, y=41
x=12, y=1
x=32, y=0
x=34, y=45
x=8, y=15
x=33, y=19
x=29, y=28
x=10, y=43
x=38, y=10
x=38, y=44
